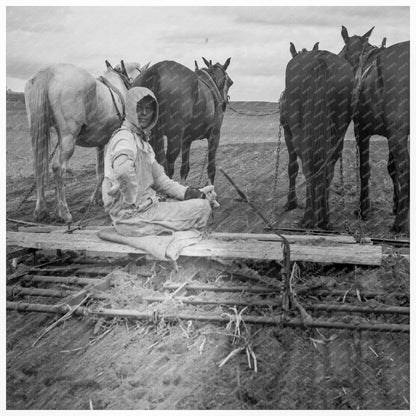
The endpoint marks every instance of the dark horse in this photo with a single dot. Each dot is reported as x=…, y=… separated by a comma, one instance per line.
x=191, y=107
x=381, y=106
x=315, y=111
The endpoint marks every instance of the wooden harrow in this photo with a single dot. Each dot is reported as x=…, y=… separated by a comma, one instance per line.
x=71, y=282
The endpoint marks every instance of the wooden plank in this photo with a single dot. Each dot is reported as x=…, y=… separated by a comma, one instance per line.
x=251, y=249
x=313, y=239
x=336, y=239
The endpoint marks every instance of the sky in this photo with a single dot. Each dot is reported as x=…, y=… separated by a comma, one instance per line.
x=256, y=38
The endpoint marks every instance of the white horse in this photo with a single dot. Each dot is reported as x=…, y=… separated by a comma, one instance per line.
x=80, y=110
x=132, y=69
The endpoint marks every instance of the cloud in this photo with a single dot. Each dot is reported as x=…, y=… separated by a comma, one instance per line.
x=316, y=16
x=256, y=38
x=37, y=19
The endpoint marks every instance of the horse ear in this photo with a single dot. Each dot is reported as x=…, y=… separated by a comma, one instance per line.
x=196, y=66
x=123, y=68
x=108, y=64
x=293, y=50
x=344, y=33
x=383, y=43
x=206, y=62
x=367, y=35
x=316, y=47
x=227, y=62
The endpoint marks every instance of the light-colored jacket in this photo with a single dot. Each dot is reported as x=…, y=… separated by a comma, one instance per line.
x=131, y=185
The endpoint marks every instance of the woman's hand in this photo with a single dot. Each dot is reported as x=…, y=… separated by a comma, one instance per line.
x=210, y=195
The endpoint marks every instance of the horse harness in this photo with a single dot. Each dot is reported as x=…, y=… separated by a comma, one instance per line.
x=112, y=89
x=371, y=61
x=212, y=85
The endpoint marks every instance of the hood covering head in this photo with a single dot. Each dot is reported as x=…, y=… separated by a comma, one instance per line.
x=133, y=96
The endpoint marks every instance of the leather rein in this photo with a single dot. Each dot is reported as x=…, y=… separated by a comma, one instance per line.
x=112, y=89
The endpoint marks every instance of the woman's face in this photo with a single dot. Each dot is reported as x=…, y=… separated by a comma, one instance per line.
x=145, y=112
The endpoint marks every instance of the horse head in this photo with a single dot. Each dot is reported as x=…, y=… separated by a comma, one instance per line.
x=220, y=77
x=294, y=52
x=131, y=70
x=120, y=72
x=355, y=46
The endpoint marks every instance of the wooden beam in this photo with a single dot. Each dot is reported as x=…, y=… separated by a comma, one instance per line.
x=249, y=249
x=151, y=316
x=314, y=239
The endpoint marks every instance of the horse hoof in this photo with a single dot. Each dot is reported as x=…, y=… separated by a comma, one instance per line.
x=97, y=201
x=64, y=217
x=305, y=224
x=290, y=206
x=42, y=216
x=399, y=228
x=97, y=198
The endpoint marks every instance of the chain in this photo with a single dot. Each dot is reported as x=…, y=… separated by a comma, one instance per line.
x=34, y=184
x=276, y=174
x=341, y=174
x=84, y=217
x=360, y=225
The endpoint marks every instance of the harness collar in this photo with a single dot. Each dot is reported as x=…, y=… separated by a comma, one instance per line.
x=216, y=91
x=112, y=88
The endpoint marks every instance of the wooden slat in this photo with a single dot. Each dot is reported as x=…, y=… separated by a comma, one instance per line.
x=250, y=249
x=314, y=239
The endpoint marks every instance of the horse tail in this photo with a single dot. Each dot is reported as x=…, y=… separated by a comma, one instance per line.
x=317, y=135
x=40, y=120
x=358, y=82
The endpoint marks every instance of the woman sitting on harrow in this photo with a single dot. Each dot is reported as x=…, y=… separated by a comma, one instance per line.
x=132, y=177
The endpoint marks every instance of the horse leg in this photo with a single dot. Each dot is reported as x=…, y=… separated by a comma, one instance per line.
x=293, y=169
x=96, y=197
x=173, y=149
x=308, y=216
x=391, y=167
x=41, y=211
x=363, y=142
x=400, y=153
x=59, y=168
x=186, y=147
x=213, y=143
x=317, y=191
x=158, y=146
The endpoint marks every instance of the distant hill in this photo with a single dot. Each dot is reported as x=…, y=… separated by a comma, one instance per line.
x=13, y=96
